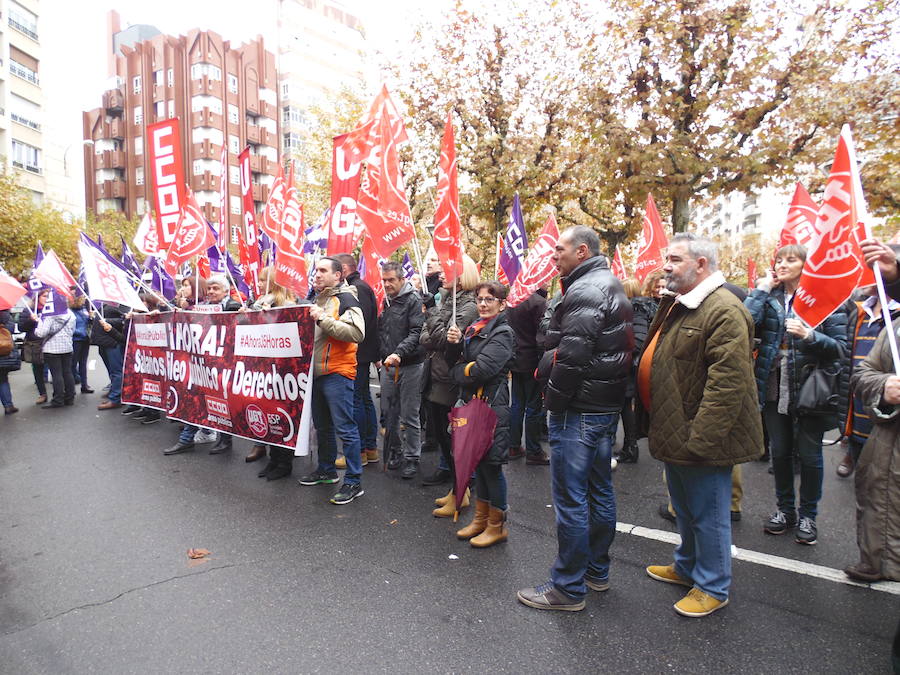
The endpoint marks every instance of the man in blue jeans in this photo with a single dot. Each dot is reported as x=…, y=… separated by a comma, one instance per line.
x=340, y=326
x=590, y=342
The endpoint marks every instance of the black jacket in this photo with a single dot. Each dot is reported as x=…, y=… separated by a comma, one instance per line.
x=367, y=350
x=401, y=325
x=482, y=363
x=590, y=341
x=525, y=320
x=115, y=337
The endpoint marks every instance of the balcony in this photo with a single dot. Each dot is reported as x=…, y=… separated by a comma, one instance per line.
x=111, y=189
x=114, y=100
x=28, y=167
x=115, y=129
x=267, y=138
x=24, y=121
x=19, y=70
x=206, y=86
x=110, y=159
x=253, y=134
x=260, y=193
x=206, y=118
x=25, y=30
x=205, y=181
x=267, y=110
x=206, y=150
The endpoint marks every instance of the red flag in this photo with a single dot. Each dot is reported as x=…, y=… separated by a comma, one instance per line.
x=752, y=275
x=498, y=268
x=834, y=261
x=192, y=237
x=447, y=243
x=167, y=169
x=290, y=265
x=618, y=267
x=10, y=291
x=251, y=238
x=271, y=215
x=244, y=257
x=538, y=267
x=203, y=265
x=373, y=270
x=653, y=240
x=801, y=219
x=145, y=237
x=53, y=273
x=347, y=156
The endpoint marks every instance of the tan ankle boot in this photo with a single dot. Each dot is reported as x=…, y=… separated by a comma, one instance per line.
x=441, y=501
x=448, y=508
x=495, y=532
x=479, y=522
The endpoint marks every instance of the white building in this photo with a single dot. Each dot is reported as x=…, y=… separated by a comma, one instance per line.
x=732, y=217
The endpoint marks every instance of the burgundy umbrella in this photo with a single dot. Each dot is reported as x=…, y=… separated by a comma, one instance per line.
x=473, y=427
x=10, y=291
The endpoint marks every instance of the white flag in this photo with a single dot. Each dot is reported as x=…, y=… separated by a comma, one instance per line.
x=106, y=282
x=145, y=238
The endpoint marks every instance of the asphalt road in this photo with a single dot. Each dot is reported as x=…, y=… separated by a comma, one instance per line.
x=94, y=576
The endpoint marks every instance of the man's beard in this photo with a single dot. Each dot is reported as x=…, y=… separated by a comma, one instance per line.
x=687, y=280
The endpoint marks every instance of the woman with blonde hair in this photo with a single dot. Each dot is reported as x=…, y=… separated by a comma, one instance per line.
x=654, y=284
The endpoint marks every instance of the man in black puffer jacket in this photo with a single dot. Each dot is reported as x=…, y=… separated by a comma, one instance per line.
x=590, y=341
x=401, y=378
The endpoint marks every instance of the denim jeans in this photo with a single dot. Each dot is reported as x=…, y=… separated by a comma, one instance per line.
x=490, y=484
x=400, y=400
x=701, y=497
x=525, y=403
x=113, y=358
x=60, y=366
x=37, y=371
x=80, y=349
x=788, y=434
x=364, y=409
x=187, y=433
x=5, y=391
x=580, y=453
x=332, y=413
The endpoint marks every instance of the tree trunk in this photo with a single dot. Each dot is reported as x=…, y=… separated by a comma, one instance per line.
x=681, y=212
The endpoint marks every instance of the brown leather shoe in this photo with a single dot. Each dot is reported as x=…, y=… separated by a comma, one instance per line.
x=537, y=459
x=517, y=452
x=41, y=399
x=862, y=572
x=108, y=405
x=257, y=452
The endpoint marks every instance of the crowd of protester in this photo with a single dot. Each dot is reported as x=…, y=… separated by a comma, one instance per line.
x=715, y=377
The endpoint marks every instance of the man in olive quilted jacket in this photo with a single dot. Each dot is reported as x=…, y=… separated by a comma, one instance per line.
x=695, y=382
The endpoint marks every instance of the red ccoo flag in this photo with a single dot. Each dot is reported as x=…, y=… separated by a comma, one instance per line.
x=192, y=236
x=618, y=267
x=653, y=241
x=447, y=243
x=372, y=270
x=290, y=265
x=500, y=274
x=752, y=274
x=539, y=267
x=800, y=227
x=834, y=262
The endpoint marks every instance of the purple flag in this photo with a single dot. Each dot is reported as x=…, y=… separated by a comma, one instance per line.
x=35, y=285
x=56, y=304
x=109, y=256
x=515, y=243
x=160, y=281
x=315, y=237
x=216, y=260
x=238, y=275
x=408, y=269
x=128, y=259
x=266, y=244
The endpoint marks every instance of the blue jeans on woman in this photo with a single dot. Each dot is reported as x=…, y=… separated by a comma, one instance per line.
x=113, y=359
x=787, y=434
x=580, y=453
x=701, y=497
x=5, y=392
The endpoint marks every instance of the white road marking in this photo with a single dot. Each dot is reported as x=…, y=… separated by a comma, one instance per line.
x=777, y=562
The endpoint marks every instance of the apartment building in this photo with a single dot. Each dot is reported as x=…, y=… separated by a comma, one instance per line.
x=732, y=217
x=222, y=95
x=21, y=98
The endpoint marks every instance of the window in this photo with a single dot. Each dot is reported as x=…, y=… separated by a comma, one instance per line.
x=141, y=206
x=291, y=141
x=232, y=83
x=23, y=20
x=198, y=167
x=284, y=91
x=26, y=156
x=234, y=144
x=158, y=77
x=139, y=176
x=170, y=77
x=235, y=203
x=233, y=116
x=24, y=72
x=171, y=107
x=138, y=114
x=198, y=70
x=24, y=112
x=160, y=110
x=136, y=84
x=139, y=145
x=291, y=116
x=234, y=175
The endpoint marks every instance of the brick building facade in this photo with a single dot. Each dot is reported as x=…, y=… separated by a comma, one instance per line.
x=220, y=94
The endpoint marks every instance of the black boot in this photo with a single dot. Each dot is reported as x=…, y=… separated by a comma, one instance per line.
x=410, y=468
x=394, y=462
x=223, y=445
x=629, y=453
x=267, y=468
x=284, y=463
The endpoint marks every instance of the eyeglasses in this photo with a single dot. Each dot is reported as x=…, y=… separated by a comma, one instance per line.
x=485, y=301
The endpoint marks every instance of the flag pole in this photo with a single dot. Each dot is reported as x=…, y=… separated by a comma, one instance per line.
x=196, y=280
x=497, y=256
x=233, y=283
x=886, y=315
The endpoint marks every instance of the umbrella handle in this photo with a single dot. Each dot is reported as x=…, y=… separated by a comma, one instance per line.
x=396, y=374
x=480, y=392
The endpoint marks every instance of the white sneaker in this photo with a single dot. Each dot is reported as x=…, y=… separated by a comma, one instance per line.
x=206, y=436
x=613, y=463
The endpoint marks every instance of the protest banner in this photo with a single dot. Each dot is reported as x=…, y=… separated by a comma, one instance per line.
x=169, y=187
x=539, y=267
x=245, y=374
